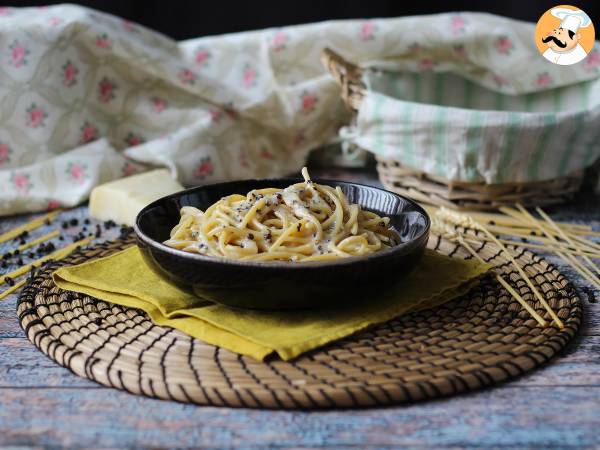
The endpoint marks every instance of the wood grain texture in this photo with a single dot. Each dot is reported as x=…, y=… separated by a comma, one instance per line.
x=500, y=417
x=43, y=404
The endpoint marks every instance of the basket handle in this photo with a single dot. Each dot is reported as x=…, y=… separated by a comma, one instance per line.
x=347, y=75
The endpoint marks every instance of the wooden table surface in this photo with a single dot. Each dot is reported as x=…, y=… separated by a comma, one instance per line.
x=43, y=404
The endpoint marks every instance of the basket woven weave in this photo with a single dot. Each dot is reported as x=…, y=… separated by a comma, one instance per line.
x=478, y=340
x=436, y=190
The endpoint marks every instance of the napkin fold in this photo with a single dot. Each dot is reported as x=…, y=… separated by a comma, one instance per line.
x=125, y=279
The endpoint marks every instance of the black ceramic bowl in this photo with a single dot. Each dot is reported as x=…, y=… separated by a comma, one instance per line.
x=282, y=285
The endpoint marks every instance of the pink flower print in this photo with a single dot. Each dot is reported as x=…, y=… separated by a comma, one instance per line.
x=21, y=182
x=133, y=139
x=308, y=102
x=18, y=54
x=201, y=57
x=503, y=45
x=426, y=64
x=266, y=154
x=544, y=79
x=243, y=158
x=89, y=133
x=367, y=30
x=216, y=115
x=186, y=76
x=70, y=72
x=298, y=138
x=278, y=41
x=158, y=104
x=5, y=152
x=103, y=41
x=128, y=169
x=593, y=60
x=500, y=81
x=54, y=21
x=128, y=25
x=249, y=76
x=457, y=24
x=204, y=168
x=52, y=204
x=36, y=116
x=106, y=90
x=77, y=172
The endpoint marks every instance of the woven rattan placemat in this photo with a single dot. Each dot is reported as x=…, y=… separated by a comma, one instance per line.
x=478, y=340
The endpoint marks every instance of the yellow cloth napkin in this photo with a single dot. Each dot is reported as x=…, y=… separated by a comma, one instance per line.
x=125, y=279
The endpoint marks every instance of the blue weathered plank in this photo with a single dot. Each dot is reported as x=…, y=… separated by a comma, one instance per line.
x=502, y=417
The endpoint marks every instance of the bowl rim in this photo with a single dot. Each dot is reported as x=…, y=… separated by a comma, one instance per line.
x=287, y=265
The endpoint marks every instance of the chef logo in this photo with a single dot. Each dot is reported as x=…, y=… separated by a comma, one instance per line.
x=564, y=35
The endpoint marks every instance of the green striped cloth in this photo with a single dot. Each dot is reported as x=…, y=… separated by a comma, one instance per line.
x=457, y=129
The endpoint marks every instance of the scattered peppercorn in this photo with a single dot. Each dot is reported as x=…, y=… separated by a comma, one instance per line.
x=491, y=222
x=74, y=222
x=65, y=225
x=20, y=261
x=98, y=321
x=31, y=255
x=61, y=238
x=10, y=281
x=86, y=221
x=16, y=252
x=4, y=265
x=84, y=229
x=47, y=222
x=22, y=242
x=250, y=236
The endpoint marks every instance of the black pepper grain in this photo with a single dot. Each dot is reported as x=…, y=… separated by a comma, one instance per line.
x=10, y=281
x=47, y=222
x=250, y=236
x=98, y=321
x=16, y=252
x=74, y=222
x=61, y=238
x=86, y=221
x=65, y=225
x=20, y=261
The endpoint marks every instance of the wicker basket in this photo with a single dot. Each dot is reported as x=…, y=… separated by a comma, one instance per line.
x=436, y=190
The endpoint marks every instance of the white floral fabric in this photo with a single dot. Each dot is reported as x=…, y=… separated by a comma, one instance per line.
x=86, y=97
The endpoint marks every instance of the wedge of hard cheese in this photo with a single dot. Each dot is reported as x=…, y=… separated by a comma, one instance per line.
x=123, y=199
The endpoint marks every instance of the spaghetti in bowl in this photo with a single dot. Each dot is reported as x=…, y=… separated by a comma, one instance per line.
x=303, y=222
x=310, y=279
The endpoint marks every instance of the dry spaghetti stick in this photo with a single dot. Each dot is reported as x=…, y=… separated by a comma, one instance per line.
x=32, y=225
x=565, y=237
x=58, y=254
x=568, y=250
x=573, y=262
x=508, y=287
x=517, y=233
x=502, y=220
x=452, y=214
x=13, y=288
x=39, y=240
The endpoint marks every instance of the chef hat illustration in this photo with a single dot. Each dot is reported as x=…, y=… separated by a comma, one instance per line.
x=571, y=19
